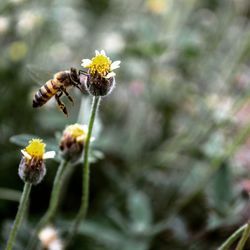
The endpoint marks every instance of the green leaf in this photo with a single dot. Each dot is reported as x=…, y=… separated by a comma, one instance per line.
x=112, y=238
x=102, y=233
x=10, y=194
x=22, y=139
x=223, y=188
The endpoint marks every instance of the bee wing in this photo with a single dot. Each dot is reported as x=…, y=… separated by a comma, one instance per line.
x=38, y=75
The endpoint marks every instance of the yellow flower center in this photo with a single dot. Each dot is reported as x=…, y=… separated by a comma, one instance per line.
x=100, y=64
x=76, y=130
x=36, y=148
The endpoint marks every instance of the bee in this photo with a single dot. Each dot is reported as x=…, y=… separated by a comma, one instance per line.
x=57, y=87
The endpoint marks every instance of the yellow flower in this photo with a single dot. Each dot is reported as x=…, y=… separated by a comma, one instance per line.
x=101, y=64
x=158, y=6
x=72, y=141
x=36, y=149
x=32, y=167
x=77, y=131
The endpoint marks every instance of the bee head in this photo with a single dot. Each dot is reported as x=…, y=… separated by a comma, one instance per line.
x=76, y=77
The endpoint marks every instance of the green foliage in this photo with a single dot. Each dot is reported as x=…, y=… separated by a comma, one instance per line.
x=168, y=167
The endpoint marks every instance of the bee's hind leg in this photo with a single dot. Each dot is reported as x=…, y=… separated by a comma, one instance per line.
x=67, y=94
x=60, y=104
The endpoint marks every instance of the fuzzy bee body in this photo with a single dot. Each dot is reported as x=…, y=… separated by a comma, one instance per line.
x=56, y=87
x=48, y=90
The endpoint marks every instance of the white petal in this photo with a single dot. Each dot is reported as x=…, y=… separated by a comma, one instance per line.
x=80, y=138
x=49, y=154
x=25, y=154
x=115, y=65
x=86, y=62
x=103, y=52
x=92, y=139
x=97, y=52
x=85, y=128
x=111, y=74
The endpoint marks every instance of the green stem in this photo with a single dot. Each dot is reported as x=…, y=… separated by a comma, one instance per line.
x=19, y=215
x=55, y=195
x=232, y=238
x=53, y=204
x=85, y=188
x=244, y=237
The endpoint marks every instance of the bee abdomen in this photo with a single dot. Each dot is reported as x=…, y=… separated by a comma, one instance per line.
x=44, y=94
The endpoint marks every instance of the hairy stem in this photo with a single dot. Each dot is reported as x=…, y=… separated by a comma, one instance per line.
x=19, y=215
x=85, y=188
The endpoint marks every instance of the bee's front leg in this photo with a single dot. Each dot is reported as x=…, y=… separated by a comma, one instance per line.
x=75, y=83
x=63, y=89
x=60, y=104
x=83, y=72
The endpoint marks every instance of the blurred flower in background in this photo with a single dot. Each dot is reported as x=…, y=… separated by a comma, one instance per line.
x=28, y=21
x=157, y=6
x=4, y=24
x=17, y=51
x=50, y=239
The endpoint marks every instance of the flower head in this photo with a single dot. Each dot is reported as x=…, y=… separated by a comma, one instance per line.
x=100, y=78
x=32, y=167
x=77, y=131
x=72, y=141
x=101, y=64
x=36, y=149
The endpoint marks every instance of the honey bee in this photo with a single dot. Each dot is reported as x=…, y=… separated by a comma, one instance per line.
x=57, y=87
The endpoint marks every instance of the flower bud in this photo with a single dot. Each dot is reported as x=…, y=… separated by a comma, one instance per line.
x=72, y=142
x=100, y=78
x=32, y=171
x=32, y=167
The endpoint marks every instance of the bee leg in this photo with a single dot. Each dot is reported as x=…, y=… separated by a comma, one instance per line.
x=78, y=85
x=83, y=72
x=75, y=84
x=60, y=104
x=67, y=94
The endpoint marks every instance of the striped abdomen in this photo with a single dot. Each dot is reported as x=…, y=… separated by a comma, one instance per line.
x=48, y=90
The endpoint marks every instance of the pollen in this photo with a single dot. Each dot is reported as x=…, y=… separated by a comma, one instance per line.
x=77, y=131
x=36, y=148
x=100, y=64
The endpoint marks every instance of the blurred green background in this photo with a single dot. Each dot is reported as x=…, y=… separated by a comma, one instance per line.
x=173, y=139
